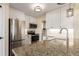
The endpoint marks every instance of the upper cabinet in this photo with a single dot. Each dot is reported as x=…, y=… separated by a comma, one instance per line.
x=66, y=22
x=58, y=18
x=52, y=19
x=14, y=13
x=32, y=20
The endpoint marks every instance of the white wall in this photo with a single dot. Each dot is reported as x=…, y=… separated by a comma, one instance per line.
x=1, y=31
x=7, y=14
x=76, y=21
x=5, y=28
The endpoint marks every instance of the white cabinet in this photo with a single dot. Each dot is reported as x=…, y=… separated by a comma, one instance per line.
x=52, y=19
x=55, y=18
x=32, y=20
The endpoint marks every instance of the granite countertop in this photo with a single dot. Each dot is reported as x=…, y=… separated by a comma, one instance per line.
x=42, y=48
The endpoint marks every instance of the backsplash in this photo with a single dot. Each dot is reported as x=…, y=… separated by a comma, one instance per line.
x=56, y=34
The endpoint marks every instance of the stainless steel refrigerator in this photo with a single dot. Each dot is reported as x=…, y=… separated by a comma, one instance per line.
x=14, y=34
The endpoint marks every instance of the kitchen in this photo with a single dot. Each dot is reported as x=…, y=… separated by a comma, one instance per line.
x=45, y=29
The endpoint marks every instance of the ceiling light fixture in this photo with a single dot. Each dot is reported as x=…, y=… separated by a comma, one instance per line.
x=37, y=9
x=60, y=3
x=69, y=11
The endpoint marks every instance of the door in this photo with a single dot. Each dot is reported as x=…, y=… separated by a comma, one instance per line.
x=1, y=31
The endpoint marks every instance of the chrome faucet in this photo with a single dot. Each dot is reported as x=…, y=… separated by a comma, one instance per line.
x=67, y=38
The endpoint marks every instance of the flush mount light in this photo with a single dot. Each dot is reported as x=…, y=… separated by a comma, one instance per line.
x=37, y=9
x=69, y=11
x=60, y=3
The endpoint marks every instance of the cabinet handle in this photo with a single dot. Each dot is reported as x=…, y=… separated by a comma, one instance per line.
x=1, y=37
x=0, y=6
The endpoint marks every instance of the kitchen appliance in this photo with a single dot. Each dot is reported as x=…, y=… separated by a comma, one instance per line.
x=32, y=26
x=34, y=36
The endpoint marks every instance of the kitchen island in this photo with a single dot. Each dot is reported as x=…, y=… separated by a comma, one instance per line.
x=43, y=48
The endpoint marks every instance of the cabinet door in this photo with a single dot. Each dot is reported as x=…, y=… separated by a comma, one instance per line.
x=52, y=19
x=27, y=21
x=32, y=20
x=48, y=20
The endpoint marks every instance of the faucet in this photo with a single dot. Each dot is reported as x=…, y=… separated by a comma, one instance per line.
x=67, y=38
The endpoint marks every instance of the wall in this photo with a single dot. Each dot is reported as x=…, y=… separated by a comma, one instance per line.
x=5, y=28
x=40, y=25
x=7, y=14
x=76, y=26
x=1, y=30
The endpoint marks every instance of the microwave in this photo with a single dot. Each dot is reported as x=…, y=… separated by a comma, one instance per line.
x=32, y=26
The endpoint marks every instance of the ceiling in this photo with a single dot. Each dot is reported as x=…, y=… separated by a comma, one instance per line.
x=28, y=8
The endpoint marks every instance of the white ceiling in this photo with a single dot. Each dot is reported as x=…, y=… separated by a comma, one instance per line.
x=27, y=8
